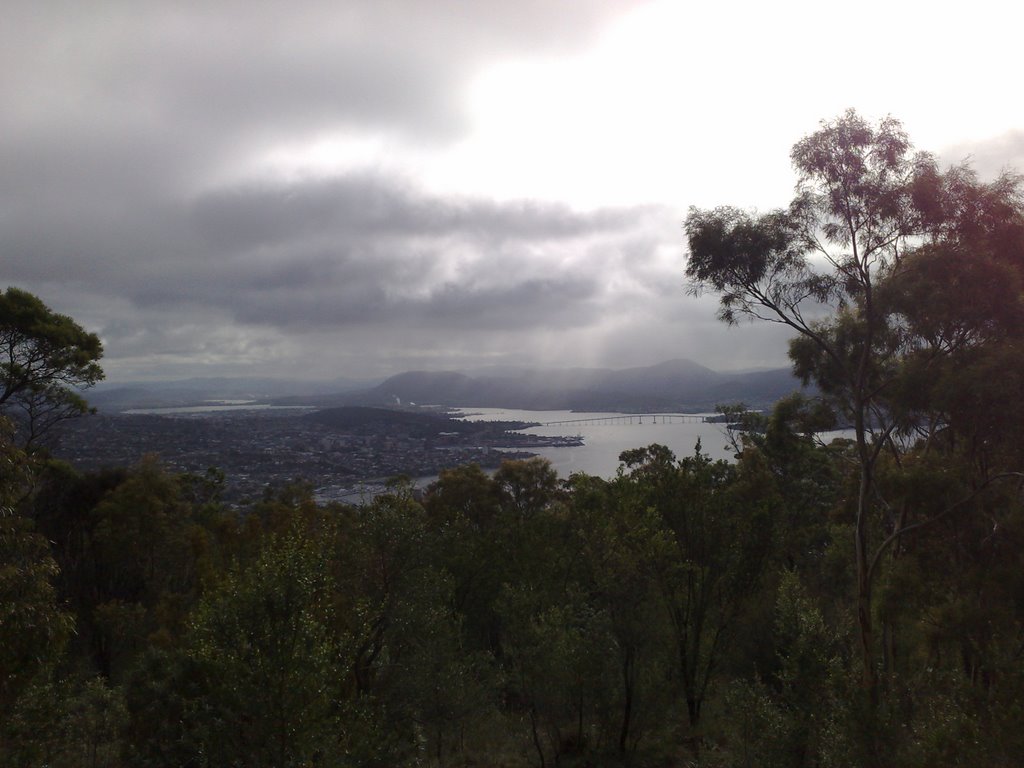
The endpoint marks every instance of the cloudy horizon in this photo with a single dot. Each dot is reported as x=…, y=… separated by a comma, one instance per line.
x=357, y=188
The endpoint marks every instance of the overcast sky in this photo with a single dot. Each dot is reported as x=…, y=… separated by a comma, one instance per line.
x=360, y=187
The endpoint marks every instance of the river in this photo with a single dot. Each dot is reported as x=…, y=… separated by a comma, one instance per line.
x=603, y=442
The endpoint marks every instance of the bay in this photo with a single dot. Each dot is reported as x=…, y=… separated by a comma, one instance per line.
x=606, y=435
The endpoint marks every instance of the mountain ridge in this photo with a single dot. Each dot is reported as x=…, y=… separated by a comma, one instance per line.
x=671, y=385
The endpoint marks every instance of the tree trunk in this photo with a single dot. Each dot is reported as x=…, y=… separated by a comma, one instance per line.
x=627, y=710
x=869, y=679
x=536, y=736
x=693, y=710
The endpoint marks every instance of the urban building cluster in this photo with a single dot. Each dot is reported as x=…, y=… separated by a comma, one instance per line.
x=257, y=448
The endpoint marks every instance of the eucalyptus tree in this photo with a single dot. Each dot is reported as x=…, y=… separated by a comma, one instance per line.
x=867, y=211
x=714, y=525
x=34, y=626
x=46, y=360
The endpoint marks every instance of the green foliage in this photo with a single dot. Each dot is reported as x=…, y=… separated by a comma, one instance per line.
x=65, y=723
x=526, y=487
x=33, y=626
x=685, y=610
x=45, y=360
x=266, y=638
x=922, y=272
x=432, y=683
x=132, y=549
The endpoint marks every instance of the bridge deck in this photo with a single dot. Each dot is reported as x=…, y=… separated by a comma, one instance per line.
x=632, y=418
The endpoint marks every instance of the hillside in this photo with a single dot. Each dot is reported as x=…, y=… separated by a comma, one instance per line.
x=677, y=385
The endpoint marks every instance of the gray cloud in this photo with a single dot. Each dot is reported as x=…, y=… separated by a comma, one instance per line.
x=369, y=205
x=992, y=157
x=125, y=130
x=362, y=251
x=215, y=73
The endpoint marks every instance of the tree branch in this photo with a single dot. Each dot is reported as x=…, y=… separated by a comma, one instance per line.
x=941, y=516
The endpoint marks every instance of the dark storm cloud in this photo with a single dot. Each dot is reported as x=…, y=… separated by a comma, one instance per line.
x=528, y=305
x=360, y=250
x=365, y=249
x=126, y=128
x=130, y=102
x=365, y=205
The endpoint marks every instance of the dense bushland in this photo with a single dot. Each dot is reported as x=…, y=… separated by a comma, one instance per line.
x=686, y=611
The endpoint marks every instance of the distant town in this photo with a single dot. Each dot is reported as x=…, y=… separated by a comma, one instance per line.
x=266, y=433
x=344, y=452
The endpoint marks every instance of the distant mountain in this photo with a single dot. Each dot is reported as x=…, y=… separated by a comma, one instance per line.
x=676, y=385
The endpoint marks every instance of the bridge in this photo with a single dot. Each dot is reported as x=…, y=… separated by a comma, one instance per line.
x=633, y=418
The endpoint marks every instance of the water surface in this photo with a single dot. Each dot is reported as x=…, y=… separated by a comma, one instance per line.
x=603, y=442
